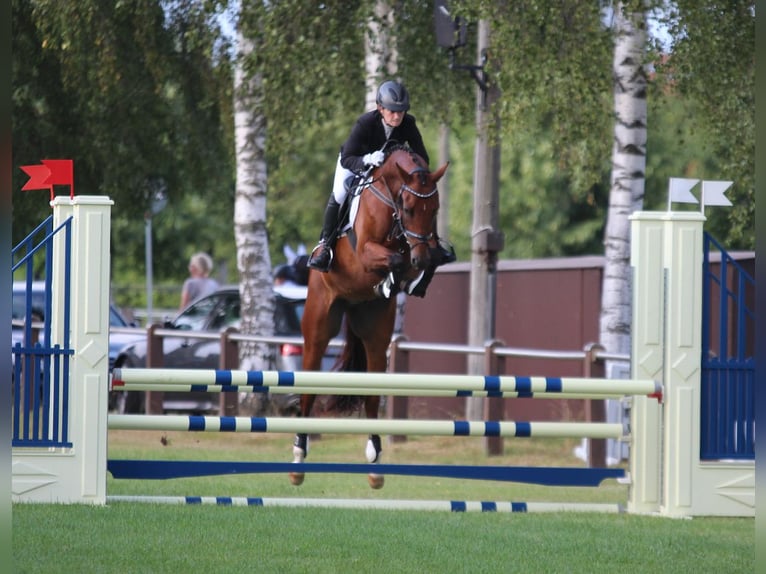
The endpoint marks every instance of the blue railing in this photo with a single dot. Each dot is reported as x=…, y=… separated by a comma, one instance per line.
x=728, y=363
x=41, y=369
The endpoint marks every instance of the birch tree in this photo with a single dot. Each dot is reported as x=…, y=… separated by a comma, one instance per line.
x=627, y=182
x=253, y=260
x=379, y=50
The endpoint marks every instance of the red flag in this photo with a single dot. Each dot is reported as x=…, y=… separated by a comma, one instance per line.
x=38, y=177
x=62, y=173
x=51, y=172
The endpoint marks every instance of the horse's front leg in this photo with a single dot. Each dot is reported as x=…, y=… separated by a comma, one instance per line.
x=376, y=258
x=320, y=321
x=376, y=363
x=388, y=265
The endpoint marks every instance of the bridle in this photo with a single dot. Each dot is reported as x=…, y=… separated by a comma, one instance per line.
x=398, y=228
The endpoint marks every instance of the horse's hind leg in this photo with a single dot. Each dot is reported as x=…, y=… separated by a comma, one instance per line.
x=374, y=327
x=301, y=442
x=319, y=324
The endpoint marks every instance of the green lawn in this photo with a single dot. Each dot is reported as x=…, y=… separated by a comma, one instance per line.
x=130, y=537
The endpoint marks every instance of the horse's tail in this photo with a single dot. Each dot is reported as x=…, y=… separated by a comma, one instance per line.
x=352, y=359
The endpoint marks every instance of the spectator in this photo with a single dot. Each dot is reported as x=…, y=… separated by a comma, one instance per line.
x=199, y=282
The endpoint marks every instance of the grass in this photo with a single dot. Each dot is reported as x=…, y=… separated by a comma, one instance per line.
x=127, y=537
x=343, y=448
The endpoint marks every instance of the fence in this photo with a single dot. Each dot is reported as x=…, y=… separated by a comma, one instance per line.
x=666, y=473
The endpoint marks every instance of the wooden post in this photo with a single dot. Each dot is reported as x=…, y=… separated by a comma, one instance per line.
x=595, y=409
x=486, y=239
x=228, y=403
x=494, y=407
x=155, y=359
x=398, y=362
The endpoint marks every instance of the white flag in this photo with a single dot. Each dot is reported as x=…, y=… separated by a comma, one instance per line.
x=713, y=192
x=680, y=190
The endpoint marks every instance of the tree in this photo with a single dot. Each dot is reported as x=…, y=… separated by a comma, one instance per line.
x=253, y=262
x=116, y=83
x=133, y=94
x=628, y=174
x=712, y=63
x=157, y=102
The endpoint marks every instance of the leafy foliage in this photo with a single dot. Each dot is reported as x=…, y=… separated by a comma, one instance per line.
x=138, y=97
x=713, y=65
x=139, y=94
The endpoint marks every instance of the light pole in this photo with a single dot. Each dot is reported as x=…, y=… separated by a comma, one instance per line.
x=157, y=203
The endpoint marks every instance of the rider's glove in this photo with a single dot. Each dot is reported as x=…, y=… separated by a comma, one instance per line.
x=374, y=159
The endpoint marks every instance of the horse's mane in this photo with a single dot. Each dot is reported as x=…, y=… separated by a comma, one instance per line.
x=397, y=146
x=394, y=147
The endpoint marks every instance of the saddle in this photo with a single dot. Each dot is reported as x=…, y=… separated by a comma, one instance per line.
x=354, y=185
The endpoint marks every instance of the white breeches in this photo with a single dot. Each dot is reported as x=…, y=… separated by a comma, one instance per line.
x=338, y=188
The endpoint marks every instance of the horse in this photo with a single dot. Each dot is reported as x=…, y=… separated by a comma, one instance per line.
x=393, y=232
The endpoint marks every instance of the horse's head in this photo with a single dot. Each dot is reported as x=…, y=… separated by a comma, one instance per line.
x=416, y=198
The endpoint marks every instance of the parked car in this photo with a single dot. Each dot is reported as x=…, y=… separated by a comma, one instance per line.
x=214, y=313
x=34, y=303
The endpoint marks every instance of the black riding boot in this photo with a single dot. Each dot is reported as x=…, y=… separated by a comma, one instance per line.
x=321, y=256
x=443, y=253
x=445, y=250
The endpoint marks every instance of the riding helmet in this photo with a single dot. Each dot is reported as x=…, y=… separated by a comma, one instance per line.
x=393, y=96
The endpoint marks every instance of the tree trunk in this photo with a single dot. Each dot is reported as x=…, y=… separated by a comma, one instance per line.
x=253, y=260
x=379, y=50
x=627, y=188
x=380, y=64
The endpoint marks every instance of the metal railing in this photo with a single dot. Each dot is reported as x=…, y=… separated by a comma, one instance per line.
x=40, y=390
x=592, y=365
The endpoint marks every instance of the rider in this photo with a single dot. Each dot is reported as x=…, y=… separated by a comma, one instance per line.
x=361, y=151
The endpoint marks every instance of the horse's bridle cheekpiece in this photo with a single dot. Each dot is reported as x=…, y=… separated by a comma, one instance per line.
x=398, y=223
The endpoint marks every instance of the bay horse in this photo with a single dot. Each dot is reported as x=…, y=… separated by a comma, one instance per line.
x=393, y=232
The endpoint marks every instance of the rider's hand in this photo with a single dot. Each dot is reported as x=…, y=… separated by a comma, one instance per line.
x=374, y=159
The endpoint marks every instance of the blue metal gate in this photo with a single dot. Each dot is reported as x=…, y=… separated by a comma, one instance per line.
x=40, y=377
x=728, y=363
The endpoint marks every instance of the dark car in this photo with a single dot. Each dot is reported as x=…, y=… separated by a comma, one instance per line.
x=34, y=304
x=213, y=313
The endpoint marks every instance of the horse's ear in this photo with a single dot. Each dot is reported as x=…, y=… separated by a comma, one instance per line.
x=403, y=174
x=437, y=175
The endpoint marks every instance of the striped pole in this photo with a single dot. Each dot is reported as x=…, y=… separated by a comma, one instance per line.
x=386, y=381
x=376, y=504
x=364, y=426
x=277, y=390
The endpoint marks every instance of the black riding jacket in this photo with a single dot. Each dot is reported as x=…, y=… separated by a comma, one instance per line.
x=368, y=135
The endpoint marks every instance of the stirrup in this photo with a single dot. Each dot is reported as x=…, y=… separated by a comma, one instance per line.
x=322, y=260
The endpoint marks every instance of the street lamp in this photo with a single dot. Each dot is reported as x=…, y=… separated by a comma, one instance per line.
x=158, y=201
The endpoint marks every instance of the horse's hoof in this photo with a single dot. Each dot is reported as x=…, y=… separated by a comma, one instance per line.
x=376, y=481
x=296, y=478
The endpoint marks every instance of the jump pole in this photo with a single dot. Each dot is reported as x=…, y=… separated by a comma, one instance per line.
x=374, y=504
x=364, y=426
x=385, y=381
x=358, y=391
x=544, y=476
x=666, y=474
